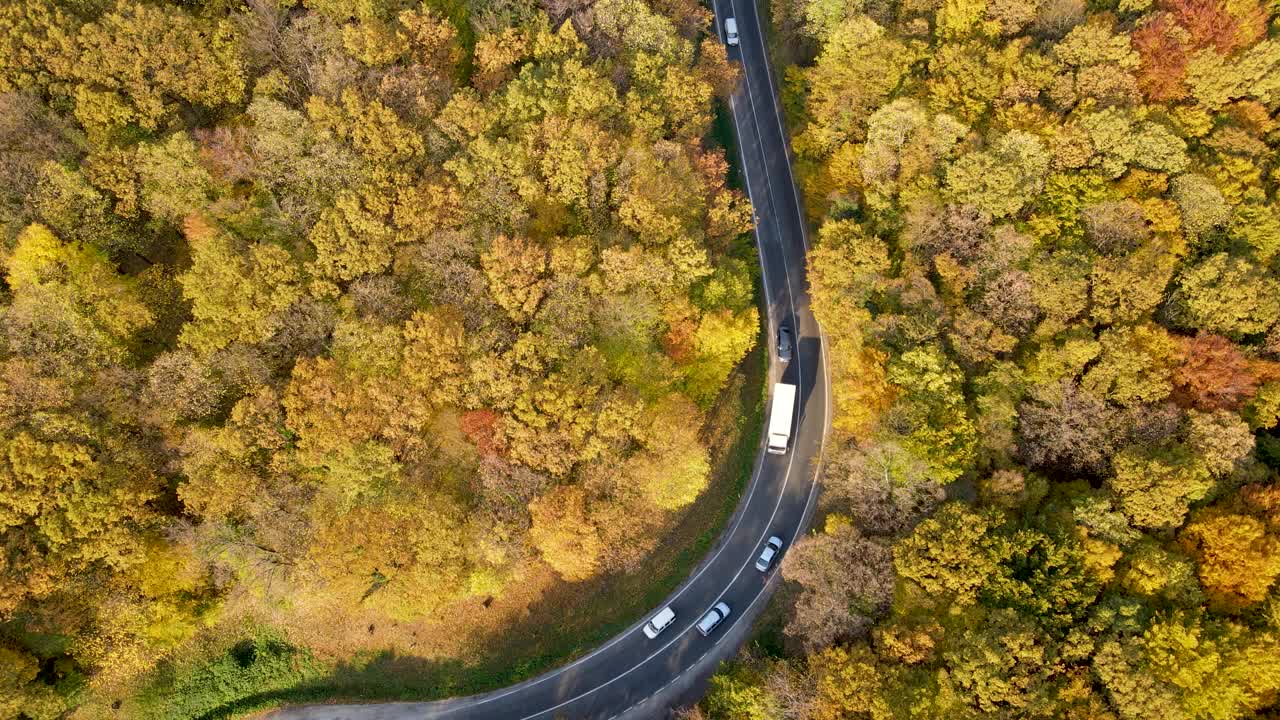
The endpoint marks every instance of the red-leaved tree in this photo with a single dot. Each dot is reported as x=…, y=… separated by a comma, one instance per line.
x=1213, y=375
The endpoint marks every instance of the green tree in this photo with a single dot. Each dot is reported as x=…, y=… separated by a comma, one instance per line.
x=1156, y=485
x=79, y=284
x=74, y=209
x=1214, y=81
x=739, y=694
x=1201, y=202
x=227, y=469
x=1186, y=666
x=38, y=39
x=1229, y=295
x=1128, y=289
x=1002, y=181
x=237, y=293
x=951, y=555
x=1221, y=439
x=1000, y=666
x=933, y=406
x=851, y=77
x=844, y=267
x=352, y=238
x=1151, y=571
x=67, y=507
x=135, y=62
x=674, y=468
x=22, y=693
x=905, y=145
x=395, y=563
x=1121, y=143
x=721, y=339
x=1136, y=365
x=174, y=183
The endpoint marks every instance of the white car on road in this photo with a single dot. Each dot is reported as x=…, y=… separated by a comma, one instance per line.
x=659, y=622
x=730, y=31
x=771, y=548
x=713, y=618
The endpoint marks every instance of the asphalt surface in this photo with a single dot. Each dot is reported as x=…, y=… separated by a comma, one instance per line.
x=631, y=676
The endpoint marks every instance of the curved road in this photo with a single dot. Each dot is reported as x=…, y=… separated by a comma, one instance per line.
x=631, y=676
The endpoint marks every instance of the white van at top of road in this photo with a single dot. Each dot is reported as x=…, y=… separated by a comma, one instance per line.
x=730, y=31
x=659, y=622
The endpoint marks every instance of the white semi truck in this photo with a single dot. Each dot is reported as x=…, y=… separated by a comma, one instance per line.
x=784, y=405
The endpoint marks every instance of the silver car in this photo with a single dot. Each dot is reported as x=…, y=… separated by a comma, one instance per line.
x=713, y=618
x=771, y=548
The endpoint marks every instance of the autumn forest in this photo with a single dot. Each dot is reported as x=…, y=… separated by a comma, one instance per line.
x=1048, y=243
x=325, y=306
x=318, y=314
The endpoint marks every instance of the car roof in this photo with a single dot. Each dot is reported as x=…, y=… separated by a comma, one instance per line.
x=664, y=616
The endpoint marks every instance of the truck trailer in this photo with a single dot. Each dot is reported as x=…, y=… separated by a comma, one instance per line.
x=784, y=405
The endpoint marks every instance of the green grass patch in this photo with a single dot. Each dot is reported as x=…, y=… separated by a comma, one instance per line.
x=247, y=676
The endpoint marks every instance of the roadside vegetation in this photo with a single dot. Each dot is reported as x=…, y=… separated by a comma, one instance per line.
x=342, y=342
x=226, y=676
x=1047, y=259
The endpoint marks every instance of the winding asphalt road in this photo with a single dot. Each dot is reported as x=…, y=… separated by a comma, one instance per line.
x=631, y=676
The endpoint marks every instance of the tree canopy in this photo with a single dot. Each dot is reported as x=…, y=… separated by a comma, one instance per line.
x=384, y=305
x=1044, y=261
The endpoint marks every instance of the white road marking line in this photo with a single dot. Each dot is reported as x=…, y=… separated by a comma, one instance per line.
x=794, y=322
x=754, y=600
x=804, y=233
